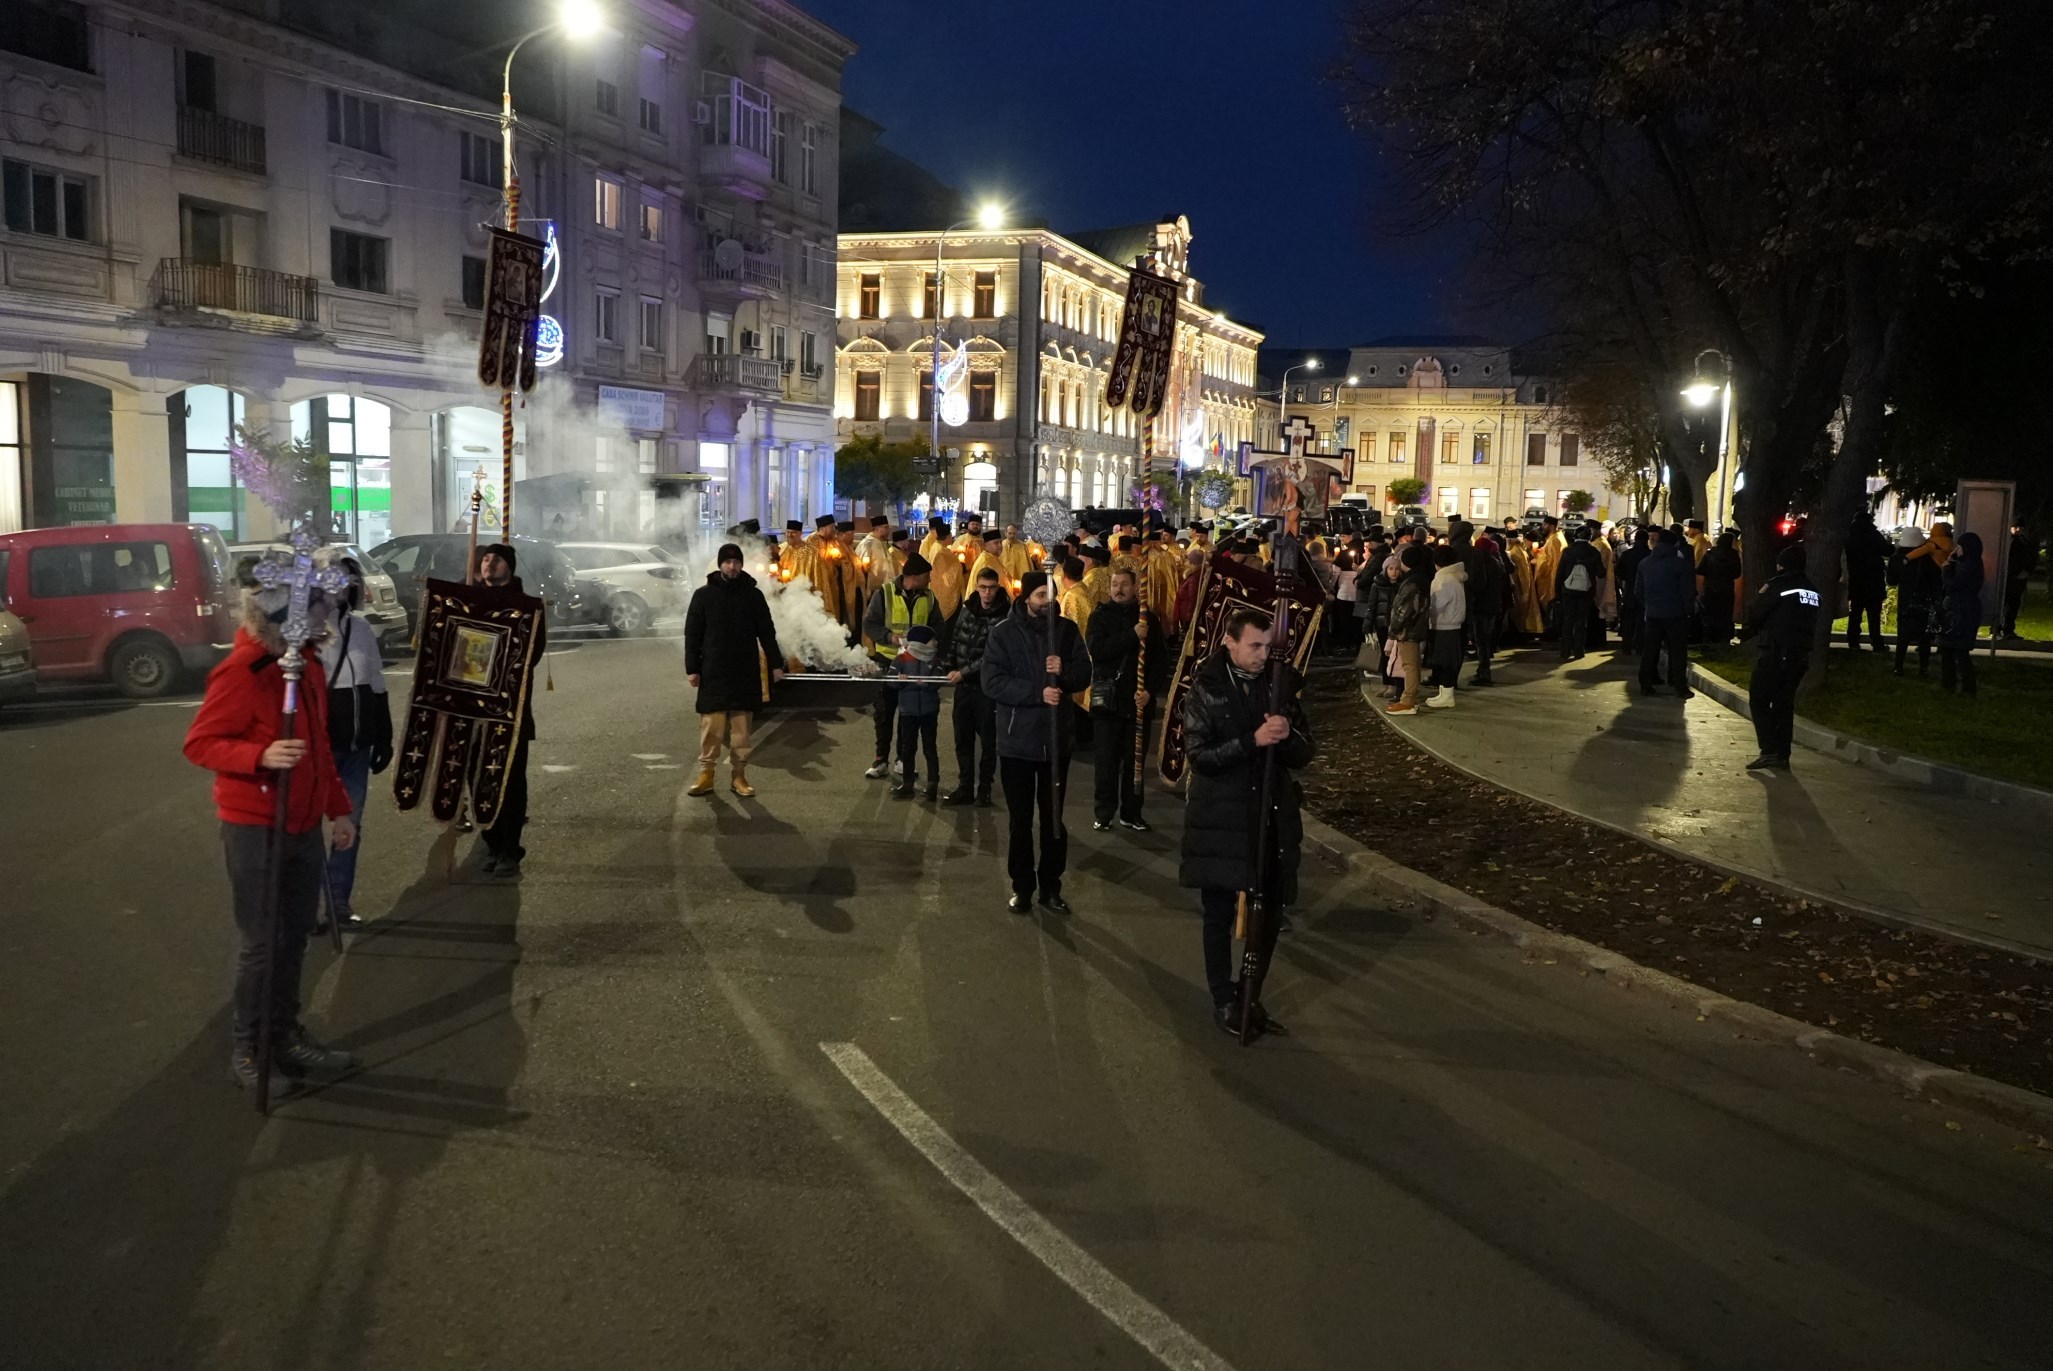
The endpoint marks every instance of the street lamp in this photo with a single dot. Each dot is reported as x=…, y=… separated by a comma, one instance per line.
x=1699, y=393
x=990, y=216
x=577, y=19
x=1283, y=391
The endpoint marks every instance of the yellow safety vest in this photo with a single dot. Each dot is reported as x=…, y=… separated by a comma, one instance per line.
x=901, y=614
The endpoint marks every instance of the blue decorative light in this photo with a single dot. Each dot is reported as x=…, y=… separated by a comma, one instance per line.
x=548, y=332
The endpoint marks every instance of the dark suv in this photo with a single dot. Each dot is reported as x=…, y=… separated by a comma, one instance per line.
x=417, y=557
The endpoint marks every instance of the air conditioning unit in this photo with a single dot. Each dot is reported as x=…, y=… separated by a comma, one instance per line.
x=702, y=111
x=751, y=341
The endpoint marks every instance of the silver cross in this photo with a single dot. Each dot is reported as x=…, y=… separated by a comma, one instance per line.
x=300, y=579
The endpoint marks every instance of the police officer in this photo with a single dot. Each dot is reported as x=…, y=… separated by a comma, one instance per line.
x=1782, y=617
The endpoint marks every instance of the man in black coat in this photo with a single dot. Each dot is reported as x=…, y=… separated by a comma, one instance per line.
x=1782, y=618
x=1867, y=581
x=1227, y=730
x=728, y=640
x=497, y=564
x=1485, y=590
x=1578, y=578
x=976, y=714
x=1665, y=586
x=1030, y=666
x=1129, y=670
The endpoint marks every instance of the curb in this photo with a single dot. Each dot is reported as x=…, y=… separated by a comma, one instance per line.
x=1942, y=1085
x=1903, y=766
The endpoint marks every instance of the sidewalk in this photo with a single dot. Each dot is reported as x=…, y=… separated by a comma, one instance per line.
x=1581, y=738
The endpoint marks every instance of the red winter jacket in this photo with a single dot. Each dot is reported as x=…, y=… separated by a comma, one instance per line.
x=239, y=719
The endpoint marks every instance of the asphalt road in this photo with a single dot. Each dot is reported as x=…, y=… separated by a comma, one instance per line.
x=599, y=1127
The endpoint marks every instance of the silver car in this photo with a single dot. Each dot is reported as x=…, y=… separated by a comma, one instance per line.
x=381, y=608
x=643, y=582
x=17, y=663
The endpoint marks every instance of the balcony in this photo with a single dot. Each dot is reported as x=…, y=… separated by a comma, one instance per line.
x=754, y=274
x=801, y=389
x=730, y=371
x=206, y=136
x=183, y=284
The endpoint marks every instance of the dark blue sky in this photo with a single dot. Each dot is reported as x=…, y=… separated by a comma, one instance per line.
x=1090, y=113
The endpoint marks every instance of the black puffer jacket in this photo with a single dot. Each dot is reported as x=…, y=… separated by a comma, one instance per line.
x=1960, y=613
x=727, y=622
x=1220, y=715
x=970, y=634
x=1783, y=614
x=1114, y=645
x=1014, y=675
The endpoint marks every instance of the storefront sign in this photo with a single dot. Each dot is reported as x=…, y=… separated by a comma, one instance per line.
x=625, y=407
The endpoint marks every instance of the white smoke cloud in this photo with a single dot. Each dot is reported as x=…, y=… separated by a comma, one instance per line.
x=804, y=628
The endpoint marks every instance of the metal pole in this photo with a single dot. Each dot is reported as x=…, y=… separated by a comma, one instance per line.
x=510, y=199
x=1724, y=444
x=934, y=376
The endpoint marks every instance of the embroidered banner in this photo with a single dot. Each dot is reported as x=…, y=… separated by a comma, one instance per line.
x=513, y=310
x=1139, y=375
x=472, y=675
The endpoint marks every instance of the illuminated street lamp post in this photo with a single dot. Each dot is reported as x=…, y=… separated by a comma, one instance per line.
x=1700, y=392
x=1283, y=391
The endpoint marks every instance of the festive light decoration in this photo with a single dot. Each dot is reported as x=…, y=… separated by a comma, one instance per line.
x=1214, y=489
x=548, y=331
x=949, y=386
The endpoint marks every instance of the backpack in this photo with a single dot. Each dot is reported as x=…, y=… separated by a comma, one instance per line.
x=1578, y=578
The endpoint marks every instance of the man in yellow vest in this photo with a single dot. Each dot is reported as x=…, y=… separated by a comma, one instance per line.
x=893, y=611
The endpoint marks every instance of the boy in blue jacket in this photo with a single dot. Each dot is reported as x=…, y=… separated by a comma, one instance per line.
x=919, y=678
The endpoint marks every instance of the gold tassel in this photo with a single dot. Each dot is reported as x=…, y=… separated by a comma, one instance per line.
x=548, y=671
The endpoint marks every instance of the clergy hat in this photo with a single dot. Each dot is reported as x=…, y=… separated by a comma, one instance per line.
x=793, y=526
x=935, y=521
x=994, y=536
x=751, y=526
x=845, y=526
x=917, y=565
x=880, y=521
x=824, y=521
x=1097, y=554
x=1031, y=582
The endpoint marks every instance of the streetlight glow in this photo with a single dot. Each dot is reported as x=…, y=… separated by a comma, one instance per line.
x=991, y=216
x=1700, y=393
x=581, y=19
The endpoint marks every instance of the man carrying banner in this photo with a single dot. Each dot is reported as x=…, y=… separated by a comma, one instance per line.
x=496, y=565
x=1227, y=729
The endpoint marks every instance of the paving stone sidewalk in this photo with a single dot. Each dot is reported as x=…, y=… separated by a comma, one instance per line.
x=1579, y=736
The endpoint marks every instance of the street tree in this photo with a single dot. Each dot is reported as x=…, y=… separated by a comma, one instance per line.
x=1407, y=490
x=869, y=469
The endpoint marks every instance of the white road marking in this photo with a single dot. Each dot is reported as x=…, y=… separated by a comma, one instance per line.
x=556, y=770
x=1154, y=1330
x=664, y=766
x=648, y=756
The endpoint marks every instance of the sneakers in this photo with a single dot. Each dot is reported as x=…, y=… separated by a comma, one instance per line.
x=1401, y=708
x=1137, y=825
x=1101, y=825
x=1443, y=700
x=741, y=786
x=702, y=784
x=301, y=1055
x=242, y=1071
x=879, y=769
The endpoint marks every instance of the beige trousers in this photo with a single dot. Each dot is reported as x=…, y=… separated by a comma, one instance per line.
x=731, y=727
x=1414, y=679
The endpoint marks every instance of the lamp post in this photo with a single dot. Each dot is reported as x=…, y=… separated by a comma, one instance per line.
x=989, y=217
x=1700, y=392
x=1283, y=391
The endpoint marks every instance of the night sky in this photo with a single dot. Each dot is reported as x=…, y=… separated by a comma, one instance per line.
x=1090, y=113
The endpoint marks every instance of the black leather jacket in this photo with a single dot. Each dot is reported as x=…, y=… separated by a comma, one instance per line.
x=1220, y=714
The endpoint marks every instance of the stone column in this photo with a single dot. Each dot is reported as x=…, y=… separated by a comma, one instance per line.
x=273, y=419
x=413, y=474
x=142, y=458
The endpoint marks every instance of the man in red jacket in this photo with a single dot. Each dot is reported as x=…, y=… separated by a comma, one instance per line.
x=235, y=736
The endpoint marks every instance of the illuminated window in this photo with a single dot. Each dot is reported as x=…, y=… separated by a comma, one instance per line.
x=868, y=394
x=1479, y=503
x=606, y=202
x=983, y=396
x=872, y=296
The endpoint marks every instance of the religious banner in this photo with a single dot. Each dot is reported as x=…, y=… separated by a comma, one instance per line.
x=1139, y=376
x=513, y=308
x=1297, y=484
x=472, y=676
x=1225, y=586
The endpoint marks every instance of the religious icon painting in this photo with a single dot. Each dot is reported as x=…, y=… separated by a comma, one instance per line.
x=473, y=674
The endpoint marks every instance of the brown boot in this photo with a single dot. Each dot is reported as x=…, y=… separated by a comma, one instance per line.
x=703, y=783
x=741, y=785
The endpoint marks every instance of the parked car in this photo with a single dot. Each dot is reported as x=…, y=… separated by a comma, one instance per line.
x=641, y=580
x=412, y=559
x=17, y=658
x=381, y=608
x=1533, y=522
x=141, y=605
x=1412, y=516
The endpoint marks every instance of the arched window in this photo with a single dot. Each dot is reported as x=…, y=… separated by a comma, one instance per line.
x=203, y=485
x=356, y=438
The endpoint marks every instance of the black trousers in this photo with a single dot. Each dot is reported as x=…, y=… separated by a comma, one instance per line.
x=1870, y=606
x=1482, y=634
x=919, y=731
x=1632, y=623
x=1576, y=607
x=886, y=712
x=976, y=720
x=2013, y=602
x=502, y=839
x=1716, y=610
x=1220, y=907
x=303, y=864
x=1957, y=668
x=1673, y=636
x=1116, y=791
x=1772, y=698
x=1913, y=626
x=1027, y=787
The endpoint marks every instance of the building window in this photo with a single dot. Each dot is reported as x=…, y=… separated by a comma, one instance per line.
x=478, y=161
x=1536, y=449
x=868, y=394
x=1540, y=394
x=1450, y=501
x=198, y=86
x=606, y=316
x=1561, y=501
x=1397, y=457
x=872, y=294
x=1571, y=449
x=986, y=303
x=1325, y=394
x=49, y=31
x=1400, y=369
x=607, y=99
x=1454, y=370
x=1297, y=393
x=651, y=117
x=1450, y=450
x=930, y=296
x=780, y=146
x=357, y=261
x=983, y=396
x=1369, y=494
x=808, y=353
x=1535, y=499
x=1480, y=456
x=473, y=283
x=926, y=409
x=652, y=223
x=355, y=122
x=39, y=200
x=741, y=114
x=1372, y=369
x=778, y=345
x=809, y=159
x=652, y=324
x=1479, y=503
x=606, y=202
x=1368, y=449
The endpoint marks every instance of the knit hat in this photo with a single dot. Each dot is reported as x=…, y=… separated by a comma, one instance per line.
x=919, y=633
x=1792, y=558
x=917, y=565
x=1031, y=582
x=728, y=553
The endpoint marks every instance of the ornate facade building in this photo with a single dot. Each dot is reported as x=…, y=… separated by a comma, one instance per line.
x=1456, y=413
x=1039, y=314
x=273, y=215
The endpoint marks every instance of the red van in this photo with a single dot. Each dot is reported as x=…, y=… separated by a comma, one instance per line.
x=141, y=605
